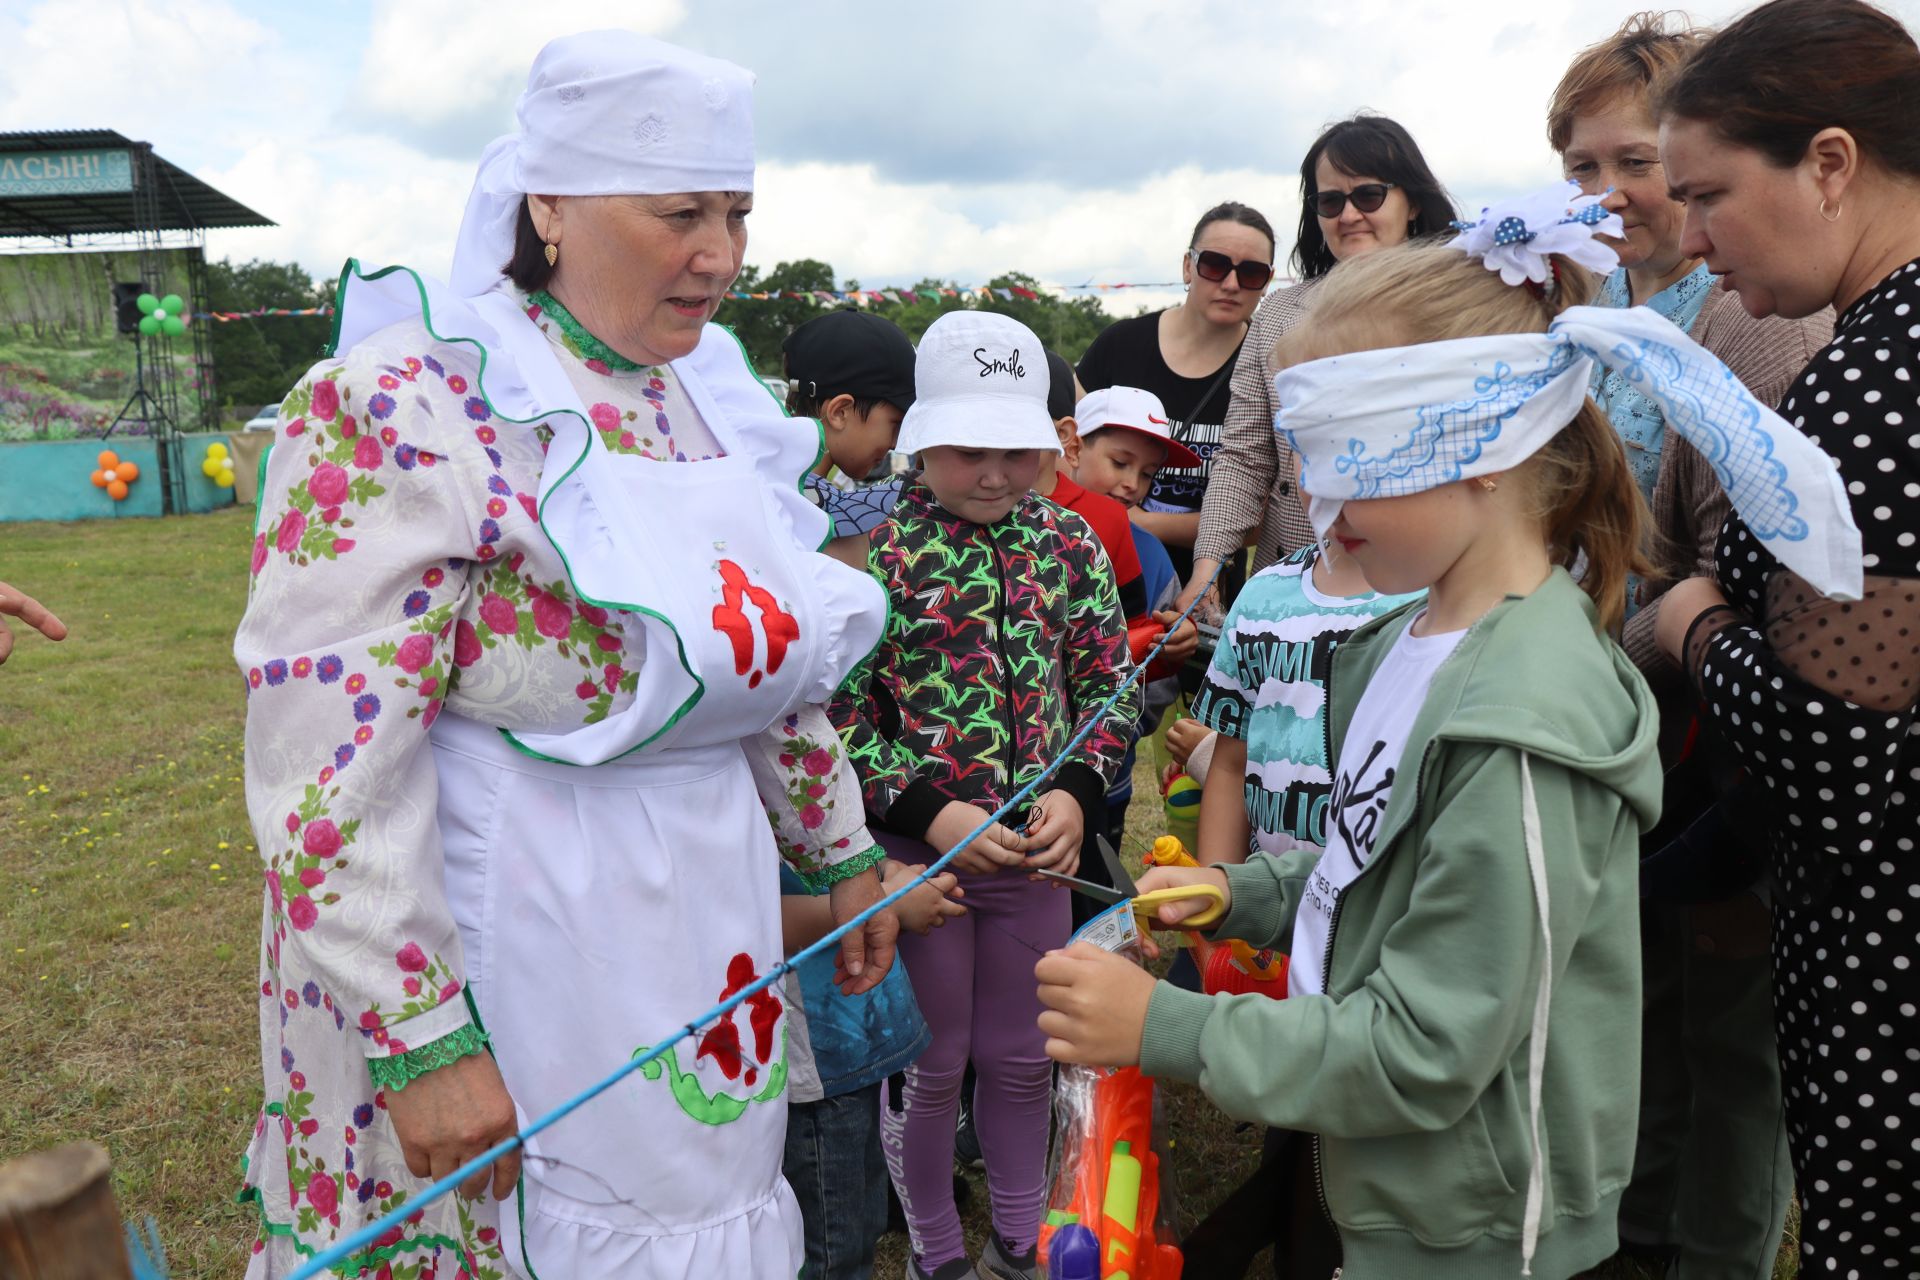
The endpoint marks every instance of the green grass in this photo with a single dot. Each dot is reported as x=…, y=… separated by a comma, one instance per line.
x=130, y=892
x=129, y=887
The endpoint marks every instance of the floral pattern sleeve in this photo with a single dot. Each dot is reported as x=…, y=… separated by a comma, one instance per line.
x=812, y=798
x=359, y=573
x=884, y=767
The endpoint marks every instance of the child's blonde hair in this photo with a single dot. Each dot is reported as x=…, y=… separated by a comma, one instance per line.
x=1582, y=487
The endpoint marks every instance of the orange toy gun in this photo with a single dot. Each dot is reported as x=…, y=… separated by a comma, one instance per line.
x=1110, y=1181
x=1233, y=967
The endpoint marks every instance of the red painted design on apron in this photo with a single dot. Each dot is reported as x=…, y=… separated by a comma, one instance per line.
x=730, y=619
x=722, y=1040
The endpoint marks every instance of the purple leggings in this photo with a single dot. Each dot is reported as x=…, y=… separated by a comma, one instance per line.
x=973, y=979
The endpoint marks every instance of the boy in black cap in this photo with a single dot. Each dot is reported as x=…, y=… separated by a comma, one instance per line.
x=854, y=372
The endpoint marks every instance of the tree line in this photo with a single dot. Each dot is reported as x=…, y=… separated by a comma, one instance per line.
x=257, y=360
x=1067, y=325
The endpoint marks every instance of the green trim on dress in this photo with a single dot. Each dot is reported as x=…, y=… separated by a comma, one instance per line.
x=359, y=1263
x=585, y=345
x=847, y=868
x=396, y=1071
x=352, y=269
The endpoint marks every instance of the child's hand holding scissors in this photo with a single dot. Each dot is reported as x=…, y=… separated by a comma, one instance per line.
x=1169, y=915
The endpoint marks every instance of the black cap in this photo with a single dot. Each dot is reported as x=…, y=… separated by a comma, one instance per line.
x=1060, y=397
x=853, y=353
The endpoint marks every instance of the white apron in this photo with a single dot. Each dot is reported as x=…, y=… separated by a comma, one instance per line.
x=613, y=881
x=602, y=906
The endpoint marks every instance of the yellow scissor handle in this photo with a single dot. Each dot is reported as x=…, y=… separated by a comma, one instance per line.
x=1144, y=905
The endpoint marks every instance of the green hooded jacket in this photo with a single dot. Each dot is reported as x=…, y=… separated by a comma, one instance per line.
x=1533, y=772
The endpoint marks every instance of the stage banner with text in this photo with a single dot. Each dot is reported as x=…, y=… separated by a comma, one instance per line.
x=24, y=175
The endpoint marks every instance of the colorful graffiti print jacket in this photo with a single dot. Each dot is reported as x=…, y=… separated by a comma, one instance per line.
x=1002, y=639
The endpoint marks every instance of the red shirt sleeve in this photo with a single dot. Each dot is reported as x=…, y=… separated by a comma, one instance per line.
x=1110, y=524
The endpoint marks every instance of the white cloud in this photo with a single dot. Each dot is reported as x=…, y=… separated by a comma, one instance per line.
x=362, y=196
x=162, y=70
x=896, y=141
x=885, y=233
x=451, y=70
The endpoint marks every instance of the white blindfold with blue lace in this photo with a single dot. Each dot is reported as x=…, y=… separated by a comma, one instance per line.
x=1403, y=420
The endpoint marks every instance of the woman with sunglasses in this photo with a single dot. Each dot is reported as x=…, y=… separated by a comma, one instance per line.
x=1363, y=186
x=1184, y=354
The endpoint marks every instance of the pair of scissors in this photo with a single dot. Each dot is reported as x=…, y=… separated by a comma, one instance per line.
x=1144, y=904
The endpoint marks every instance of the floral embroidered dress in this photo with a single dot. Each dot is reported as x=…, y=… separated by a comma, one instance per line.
x=428, y=685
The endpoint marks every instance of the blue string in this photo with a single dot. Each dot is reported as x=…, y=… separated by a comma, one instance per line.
x=413, y=1204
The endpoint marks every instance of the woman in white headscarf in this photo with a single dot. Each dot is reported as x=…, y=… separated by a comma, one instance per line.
x=524, y=693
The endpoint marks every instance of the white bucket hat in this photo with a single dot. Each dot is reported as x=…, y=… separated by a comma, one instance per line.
x=980, y=382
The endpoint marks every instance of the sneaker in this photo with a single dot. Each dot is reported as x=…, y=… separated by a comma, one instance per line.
x=966, y=1139
x=958, y=1269
x=997, y=1262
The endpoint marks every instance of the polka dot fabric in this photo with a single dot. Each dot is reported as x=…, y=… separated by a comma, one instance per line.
x=1819, y=705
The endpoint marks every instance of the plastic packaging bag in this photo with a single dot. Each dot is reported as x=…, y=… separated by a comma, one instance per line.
x=1110, y=1203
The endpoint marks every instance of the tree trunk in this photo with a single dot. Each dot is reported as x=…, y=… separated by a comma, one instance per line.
x=58, y=1220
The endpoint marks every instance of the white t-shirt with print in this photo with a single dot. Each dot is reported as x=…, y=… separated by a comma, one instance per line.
x=1370, y=760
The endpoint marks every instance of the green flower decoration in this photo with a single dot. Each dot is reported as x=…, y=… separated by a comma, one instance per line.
x=162, y=315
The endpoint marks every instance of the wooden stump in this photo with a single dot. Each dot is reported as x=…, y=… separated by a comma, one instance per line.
x=58, y=1219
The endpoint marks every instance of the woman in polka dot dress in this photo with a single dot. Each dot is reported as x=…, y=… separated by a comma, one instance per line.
x=1794, y=137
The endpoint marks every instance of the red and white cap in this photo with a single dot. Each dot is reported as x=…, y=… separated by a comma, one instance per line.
x=1132, y=409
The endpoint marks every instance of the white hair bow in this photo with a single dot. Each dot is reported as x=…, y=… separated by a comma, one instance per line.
x=1516, y=237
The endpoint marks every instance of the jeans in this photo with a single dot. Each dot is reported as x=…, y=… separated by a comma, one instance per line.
x=837, y=1171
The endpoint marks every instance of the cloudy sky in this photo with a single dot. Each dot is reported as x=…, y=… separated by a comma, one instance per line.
x=1073, y=140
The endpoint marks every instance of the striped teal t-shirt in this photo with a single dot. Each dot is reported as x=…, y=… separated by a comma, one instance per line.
x=1267, y=686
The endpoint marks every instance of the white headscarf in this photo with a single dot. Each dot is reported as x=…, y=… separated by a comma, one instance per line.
x=607, y=113
x=1376, y=424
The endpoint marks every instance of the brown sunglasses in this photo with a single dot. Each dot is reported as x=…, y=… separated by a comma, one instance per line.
x=1367, y=197
x=1215, y=266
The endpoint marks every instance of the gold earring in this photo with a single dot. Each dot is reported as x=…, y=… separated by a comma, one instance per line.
x=1823, y=211
x=1489, y=483
x=553, y=254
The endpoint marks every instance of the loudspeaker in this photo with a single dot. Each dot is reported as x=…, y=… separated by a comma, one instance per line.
x=126, y=311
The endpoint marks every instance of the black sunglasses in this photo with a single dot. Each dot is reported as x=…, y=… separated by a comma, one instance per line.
x=1366, y=197
x=1216, y=266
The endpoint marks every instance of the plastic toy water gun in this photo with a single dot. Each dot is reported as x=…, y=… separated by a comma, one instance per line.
x=1229, y=967
x=1143, y=633
x=1075, y=1254
x=1109, y=1181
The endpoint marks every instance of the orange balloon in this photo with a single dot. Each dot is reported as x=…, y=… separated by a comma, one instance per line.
x=128, y=471
x=100, y=479
x=117, y=489
x=108, y=460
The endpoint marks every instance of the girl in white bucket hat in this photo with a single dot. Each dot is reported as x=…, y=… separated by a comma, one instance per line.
x=1005, y=632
